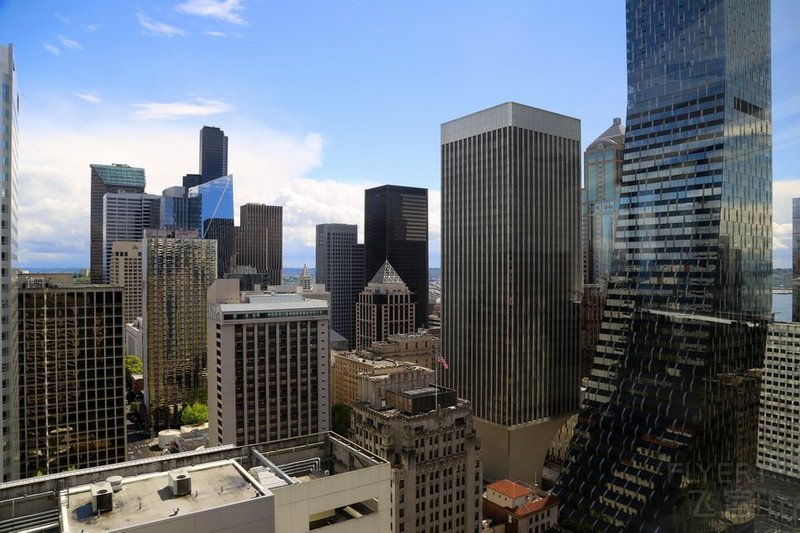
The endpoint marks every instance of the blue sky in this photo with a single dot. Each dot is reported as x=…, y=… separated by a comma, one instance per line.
x=319, y=99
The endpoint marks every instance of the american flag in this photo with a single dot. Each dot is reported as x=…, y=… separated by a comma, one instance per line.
x=442, y=361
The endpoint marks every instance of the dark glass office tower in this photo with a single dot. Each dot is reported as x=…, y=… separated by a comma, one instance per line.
x=107, y=178
x=340, y=267
x=396, y=230
x=260, y=240
x=213, y=154
x=665, y=439
x=510, y=278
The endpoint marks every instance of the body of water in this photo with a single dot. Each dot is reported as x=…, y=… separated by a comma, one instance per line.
x=782, y=306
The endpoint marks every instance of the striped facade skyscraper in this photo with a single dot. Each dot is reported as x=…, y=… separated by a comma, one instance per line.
x=665, y=439
x=510, y=278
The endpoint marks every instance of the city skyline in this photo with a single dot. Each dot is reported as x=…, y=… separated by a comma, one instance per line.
x=309, y=140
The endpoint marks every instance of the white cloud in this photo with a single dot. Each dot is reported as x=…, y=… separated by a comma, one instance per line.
x=781, y=236
x=90, y=97
x=69, y=43
x=153, y=27
x=215, y=33
x=175, y=110
x=52, y=49
x=226, y=10
x=92, y=27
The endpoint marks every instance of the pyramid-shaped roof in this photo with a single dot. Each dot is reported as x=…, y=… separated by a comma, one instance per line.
x=615, y=134
x=386, y=274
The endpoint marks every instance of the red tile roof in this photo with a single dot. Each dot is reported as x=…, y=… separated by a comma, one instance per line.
x=536, y=505
x=506, y=487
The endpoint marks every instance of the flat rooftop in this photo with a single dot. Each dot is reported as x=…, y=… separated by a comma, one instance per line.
x=148, y=498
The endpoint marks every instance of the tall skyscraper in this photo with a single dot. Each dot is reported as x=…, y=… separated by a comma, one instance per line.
x=396, y=230
x=71, y=375
x=260, y=241
x=126, y=272
x=688, y=301
x=213, y=154
x=340, y=267
x=602, y=163
x=795, y=259
x=778, y=460
x=510, y=278
x=9, y=466
x=114, y=178
x=385, y=307
x=125, y=217
x=280, y=341
x=178, y=269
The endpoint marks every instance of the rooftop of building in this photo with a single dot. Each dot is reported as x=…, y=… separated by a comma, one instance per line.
x=614, y=136
x=508, y=488
x=217, y=477
x=273, y=302
x=386, y=274
x=120, y=175
x=150, y=497
x=511, y=114
x=535, y=499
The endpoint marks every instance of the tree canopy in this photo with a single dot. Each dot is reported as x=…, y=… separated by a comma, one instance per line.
x=134, y=365
x=195, y=413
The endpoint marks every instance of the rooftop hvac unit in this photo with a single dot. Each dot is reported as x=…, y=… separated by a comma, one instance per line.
x=102, y=497
x=180, y=482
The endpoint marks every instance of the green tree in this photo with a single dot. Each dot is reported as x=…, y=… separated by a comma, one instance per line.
x=195, y=413
x=340, y=419
x=133, y=365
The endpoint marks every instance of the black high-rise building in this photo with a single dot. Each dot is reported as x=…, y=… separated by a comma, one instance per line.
x=396, y=230
x=259, y=242
x=665, y=439
x=213, y=154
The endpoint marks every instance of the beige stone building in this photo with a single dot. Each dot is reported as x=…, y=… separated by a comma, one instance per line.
x=426, y=433
x=125, y=270
x=414, y=349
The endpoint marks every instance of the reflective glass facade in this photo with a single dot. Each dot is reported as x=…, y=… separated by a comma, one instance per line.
x=178, y=269
x=9, y=465
x=72, y=377
x=670, y=412
x=216, y=200
x=178, y=210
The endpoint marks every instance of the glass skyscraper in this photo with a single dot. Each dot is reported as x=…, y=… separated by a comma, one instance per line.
x=9, y=465
x=213, y=154
x=216, y=201
x=665, y=439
